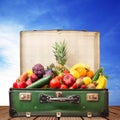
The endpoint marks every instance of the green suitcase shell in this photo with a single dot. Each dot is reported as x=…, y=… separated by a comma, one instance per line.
x=44, y=102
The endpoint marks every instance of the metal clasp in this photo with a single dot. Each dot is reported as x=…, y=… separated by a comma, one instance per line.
x=28, y=114
x=25, y=96
x=59, y=94
x=58, y=114
x=89, y=114
x=92, y=97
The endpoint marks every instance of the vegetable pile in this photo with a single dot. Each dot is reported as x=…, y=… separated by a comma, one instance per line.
x=68, y=79
x=79, y=76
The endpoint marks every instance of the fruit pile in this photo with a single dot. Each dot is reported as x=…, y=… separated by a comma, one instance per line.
x=79, y=76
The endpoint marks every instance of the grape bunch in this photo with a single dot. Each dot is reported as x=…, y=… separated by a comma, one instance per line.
x=38, y=69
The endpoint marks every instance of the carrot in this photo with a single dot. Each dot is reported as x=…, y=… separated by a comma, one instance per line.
x=23, y=76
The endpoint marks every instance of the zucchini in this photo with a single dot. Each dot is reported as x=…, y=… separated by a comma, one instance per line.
x=96, y=76
x=39, y=83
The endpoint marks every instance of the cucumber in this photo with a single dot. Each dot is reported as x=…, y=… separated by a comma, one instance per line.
x=39, y=83
x=96, y=76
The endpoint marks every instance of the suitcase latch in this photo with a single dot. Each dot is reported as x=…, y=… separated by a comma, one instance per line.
x=92, y=97
x=25, y=96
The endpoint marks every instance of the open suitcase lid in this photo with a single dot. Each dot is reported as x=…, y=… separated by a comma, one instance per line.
x=37, y=46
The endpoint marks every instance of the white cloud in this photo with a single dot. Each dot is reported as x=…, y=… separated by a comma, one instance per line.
x=9, y=51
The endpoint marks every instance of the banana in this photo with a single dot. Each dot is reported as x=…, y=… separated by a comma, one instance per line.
x=79, y=65
x=105, y=85
x=85, y=66
x=102, y=81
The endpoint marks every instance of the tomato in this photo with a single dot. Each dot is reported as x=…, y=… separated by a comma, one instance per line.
x=15, y=85
x=55, y=83
x=22, y=84
x=63, y=86
x=19, y=85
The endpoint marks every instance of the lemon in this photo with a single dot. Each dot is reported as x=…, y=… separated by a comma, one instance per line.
x=75, y=73
x=87, y=80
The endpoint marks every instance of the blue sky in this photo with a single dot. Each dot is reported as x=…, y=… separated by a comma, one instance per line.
x=90, y=15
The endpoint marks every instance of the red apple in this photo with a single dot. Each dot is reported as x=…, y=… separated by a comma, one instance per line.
x=68, y=79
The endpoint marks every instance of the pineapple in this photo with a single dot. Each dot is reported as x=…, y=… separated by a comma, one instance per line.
x=60, y=53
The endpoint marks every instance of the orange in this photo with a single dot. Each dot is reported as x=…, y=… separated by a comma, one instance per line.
x=90, y=73
x=82, y=71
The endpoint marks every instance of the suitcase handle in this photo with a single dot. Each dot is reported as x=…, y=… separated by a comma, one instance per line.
x=48, y=99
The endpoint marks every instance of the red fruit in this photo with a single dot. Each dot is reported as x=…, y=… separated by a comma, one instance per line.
x=22, y=84
x=75, y=86
x=63, y=86
x=34, y=77
x=66, y=71
x=29, y=82
x=19, y=84
x=15, y=85
x=55, y=83
x=68, y=79
x=60, y=77
x=83, y=86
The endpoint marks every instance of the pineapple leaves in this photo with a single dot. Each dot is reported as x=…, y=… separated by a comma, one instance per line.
x=60, y=52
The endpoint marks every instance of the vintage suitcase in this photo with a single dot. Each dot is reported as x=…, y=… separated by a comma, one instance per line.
x=35, y=47
x=35, y=102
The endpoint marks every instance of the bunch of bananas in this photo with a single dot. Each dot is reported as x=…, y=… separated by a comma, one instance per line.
x=101, y=82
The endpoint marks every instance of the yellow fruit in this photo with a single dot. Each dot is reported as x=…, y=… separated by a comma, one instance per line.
x=75, y=74
x=87, y=80
x=79, y=65
x=74, y=67
x=30, y=72
x=102, y=81
x=82, y=71
x=85, y=65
